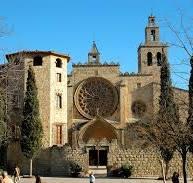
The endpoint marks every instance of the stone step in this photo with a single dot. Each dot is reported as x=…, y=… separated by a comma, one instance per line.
x=99, y=171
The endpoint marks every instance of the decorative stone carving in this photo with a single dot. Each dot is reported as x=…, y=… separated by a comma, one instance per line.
x=94, y=96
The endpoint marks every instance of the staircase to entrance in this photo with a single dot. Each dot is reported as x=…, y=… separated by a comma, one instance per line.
x=99, y=171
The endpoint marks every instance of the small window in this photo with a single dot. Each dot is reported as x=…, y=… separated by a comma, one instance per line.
x=58, y=63
x=96, y=73
x=59, y=77
x=152, y=35
x=94, y=58
x=15, y=100
x=149, y=58
x=152, y=20
x=159, y=58
x=138, y=85
x=59, y=101
x=37, y=61
x=58, y=134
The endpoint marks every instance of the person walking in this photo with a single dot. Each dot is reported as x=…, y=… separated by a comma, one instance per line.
x=92, y=178
x=6, y=179
x=175, y=177
x=16, y=174
x=38, y=179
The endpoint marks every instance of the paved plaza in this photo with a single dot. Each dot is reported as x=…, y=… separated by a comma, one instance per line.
x=86, y=180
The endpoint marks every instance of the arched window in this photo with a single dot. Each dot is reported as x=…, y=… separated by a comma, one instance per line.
x=159, y=58
x=58, y=63
x=152, y=35
x=149, y=58
x=37, y=61
x=58, y=100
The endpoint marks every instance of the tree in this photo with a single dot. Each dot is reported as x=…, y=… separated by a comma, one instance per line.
x=163, y=130
x=168, y=111
x=3, y=125
x=190, y=111
x=184, y=140
x=4, y=128
x=175, y=128
x=149, y=134
x=31, y=128
x=4, y=132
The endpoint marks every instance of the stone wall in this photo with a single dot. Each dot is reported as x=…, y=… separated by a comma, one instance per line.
x=55, y=161
x=146, y=163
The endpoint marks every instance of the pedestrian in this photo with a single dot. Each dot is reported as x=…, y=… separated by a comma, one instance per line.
x=38, y=179
x=16, y=174
x=175, y=177
x=92, y=178
x=1, y=178
x=6, y=179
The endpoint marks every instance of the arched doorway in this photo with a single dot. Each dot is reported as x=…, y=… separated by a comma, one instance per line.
x=96, y=136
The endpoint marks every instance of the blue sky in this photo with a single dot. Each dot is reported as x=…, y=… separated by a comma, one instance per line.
x=70, y=26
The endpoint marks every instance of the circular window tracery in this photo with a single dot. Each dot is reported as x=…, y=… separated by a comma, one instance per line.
x=138, y=108
x=96, y=96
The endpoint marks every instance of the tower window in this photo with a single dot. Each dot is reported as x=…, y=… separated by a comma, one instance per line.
x=59, y=77
x=58, y=63
x=138, y=85
x=152, y=35
x=149, y=58
x=94, y=57
x=59, y=101
x=58, y=134
x=37, y=61
x=159, y=58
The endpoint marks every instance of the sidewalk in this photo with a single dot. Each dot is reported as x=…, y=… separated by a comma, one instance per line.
x=98, y=180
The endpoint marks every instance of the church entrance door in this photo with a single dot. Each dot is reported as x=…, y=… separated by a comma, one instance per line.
x=97, y=157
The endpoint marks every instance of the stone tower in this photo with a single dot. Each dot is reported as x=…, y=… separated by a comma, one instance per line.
x=150, y=53
x=94, y=55
x=50, y=70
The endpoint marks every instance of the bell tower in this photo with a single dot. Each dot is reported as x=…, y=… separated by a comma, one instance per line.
x=94, y=55
x=151, y=31
x=150, y=53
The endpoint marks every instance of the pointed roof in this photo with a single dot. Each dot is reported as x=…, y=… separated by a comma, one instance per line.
x=94, y=49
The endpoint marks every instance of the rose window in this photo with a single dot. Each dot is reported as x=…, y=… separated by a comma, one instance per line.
x=96, y=96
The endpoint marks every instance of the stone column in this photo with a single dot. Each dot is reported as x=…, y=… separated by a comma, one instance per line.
x=123, y=103
x=74, y=138
x=122, y=137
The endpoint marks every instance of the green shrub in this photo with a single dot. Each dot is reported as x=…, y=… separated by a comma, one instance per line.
x=127, y=170
x=75, y=169
x=124, y=171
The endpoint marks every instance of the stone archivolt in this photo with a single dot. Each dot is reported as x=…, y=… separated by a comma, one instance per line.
x=97, y=129
x=96, y=95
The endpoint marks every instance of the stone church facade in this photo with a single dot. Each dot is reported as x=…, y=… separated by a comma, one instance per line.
x=88, y=115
